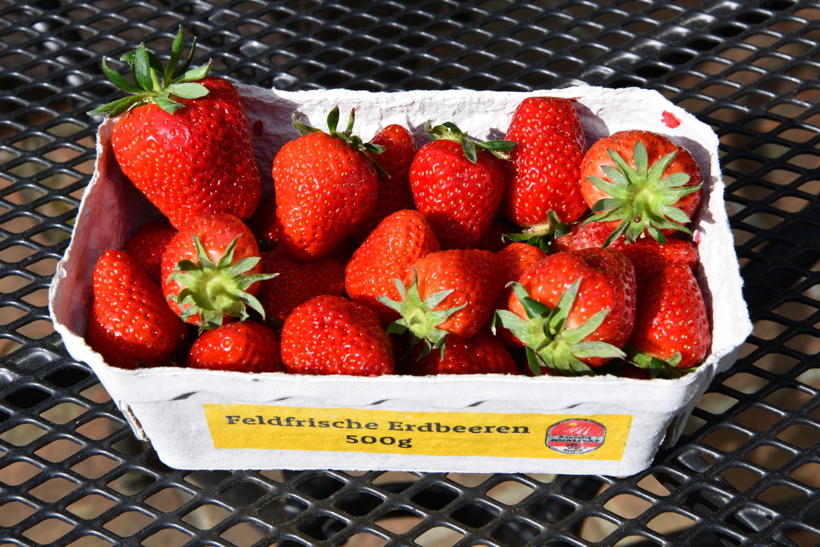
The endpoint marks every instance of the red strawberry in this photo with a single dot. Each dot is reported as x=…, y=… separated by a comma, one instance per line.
x=325, y=186
x=640, y=183
x=394, y=184
x=542, y=174
x=453, y=292
x=211, y=270
x=388, y=254
x=296, y=282
x=671, y=331
x=240, y=347
x=457, y=185
x=495, y=239
x=332, y=335
x=263, y=223
x=147, y=245
x=130, y=323
x=480, y=354
x=183, y=140
x=573, y=310
x=515, y=259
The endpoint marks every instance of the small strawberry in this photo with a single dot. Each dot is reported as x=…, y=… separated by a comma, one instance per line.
x=573, y=310
x=183, y=138
x=130, y=323
x=479, y=354
x=263, y=223
x=325, y=186
x=458, y=184
x=296, y=282
x=543, y=171
x=394, y=183
x=332, y=335
x=387, y=254
x=211, y=270
x=515, y=259
x=240, y=347
x=147, y=246
x=640, y=183
x=452, y=292
x=671, y=331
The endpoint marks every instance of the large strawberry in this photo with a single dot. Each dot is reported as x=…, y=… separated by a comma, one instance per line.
x=332, y=335
x=641, y=183
x=671, y=331
x=387, y=254
x=130, y=323
x=296, y=282
x=452, y=292
x=325, y=186
x=240, y=347
x=183, y=139
x=479, y=354
x=458, y=185
x=147, y=246
x=542, y=174
x=573, y=310
x=211, y=271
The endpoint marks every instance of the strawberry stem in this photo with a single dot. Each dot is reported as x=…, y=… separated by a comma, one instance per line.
x=450, y=132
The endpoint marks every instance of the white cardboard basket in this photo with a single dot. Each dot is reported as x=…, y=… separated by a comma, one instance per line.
x=198, y=419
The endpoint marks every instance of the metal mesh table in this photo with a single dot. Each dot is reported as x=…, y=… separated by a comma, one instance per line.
x=746, y=471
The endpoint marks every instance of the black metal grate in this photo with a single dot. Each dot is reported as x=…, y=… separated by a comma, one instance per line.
x=746, y=470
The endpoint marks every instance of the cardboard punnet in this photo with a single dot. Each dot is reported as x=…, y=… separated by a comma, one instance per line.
x=474, y=423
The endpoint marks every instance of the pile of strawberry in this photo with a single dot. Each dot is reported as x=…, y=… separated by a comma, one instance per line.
x=382, y=257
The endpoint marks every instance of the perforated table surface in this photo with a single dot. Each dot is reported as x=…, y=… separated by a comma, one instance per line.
x=747, y=469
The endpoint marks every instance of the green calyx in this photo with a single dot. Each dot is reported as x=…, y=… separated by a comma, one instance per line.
x=155, y=83
x=640, y=197
x=420, y=318
x=549, y=342
x=216, y=290
x=450, y=132
x=541, y=235
x=658, y=368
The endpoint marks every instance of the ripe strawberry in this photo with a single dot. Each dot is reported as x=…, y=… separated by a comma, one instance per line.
x=240, y=347
x=211, y=270
x=394, y=184
x=184, y=140
x=458, y=184
x=296, y=282
x=332, y=335
x=453, y=292
x=479, y=354
x=639, y=183
x=542, y=174
x=263, y=223
x=671, y=331
x=130, y=323
x=147, y=245
x=515, y=259
x=573, y=310
x=325, y=187
x=387, y=254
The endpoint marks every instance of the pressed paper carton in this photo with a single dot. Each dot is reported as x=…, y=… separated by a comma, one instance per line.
x=200, y=419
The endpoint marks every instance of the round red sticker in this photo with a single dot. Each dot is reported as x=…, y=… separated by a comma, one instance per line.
x=575, y=436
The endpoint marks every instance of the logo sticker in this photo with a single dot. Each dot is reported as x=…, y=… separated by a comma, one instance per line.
x=575, y=436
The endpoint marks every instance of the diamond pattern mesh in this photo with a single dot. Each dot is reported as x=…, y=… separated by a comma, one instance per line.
x=746, y=470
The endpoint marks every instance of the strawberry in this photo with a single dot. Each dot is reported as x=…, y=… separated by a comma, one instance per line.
x=452, y=292
x=515, y=259
x=640, y=183
x=332, y=335
x=240, y=347
x=387, y=254
x=671, y=331
x=394, y=184
x=211, y=270
x=542, y=174
x=147, y=245
x=458, y=184
x=325, y=186
x=183, y=138
x=130, y=323
x=296, y=282
x=480, y=354
x=573, y=310
x=263, y=223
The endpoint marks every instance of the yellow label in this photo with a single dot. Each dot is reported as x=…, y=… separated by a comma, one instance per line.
x=550, y=436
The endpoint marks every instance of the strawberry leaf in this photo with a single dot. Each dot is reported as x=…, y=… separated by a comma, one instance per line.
x=188, y=90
